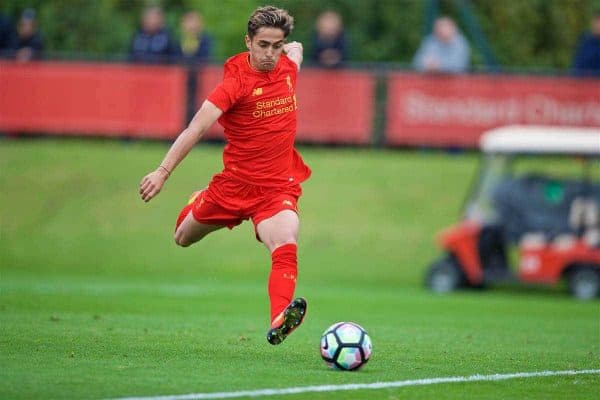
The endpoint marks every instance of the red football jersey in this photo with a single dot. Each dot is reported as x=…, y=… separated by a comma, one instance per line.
x=259, y=118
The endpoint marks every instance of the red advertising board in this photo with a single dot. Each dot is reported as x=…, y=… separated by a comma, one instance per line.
x=442, y=110
x=334, y=106
x=92, y=99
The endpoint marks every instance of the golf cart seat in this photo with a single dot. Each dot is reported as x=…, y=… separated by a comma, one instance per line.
x=533, y=240
x=578, y=221
x=592, y=238
x=584, y=221
x=591, y=222
x=535, y=208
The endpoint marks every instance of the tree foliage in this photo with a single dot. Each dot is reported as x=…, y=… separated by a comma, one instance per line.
x=521, y=33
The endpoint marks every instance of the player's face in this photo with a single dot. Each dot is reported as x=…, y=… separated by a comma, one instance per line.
x=265, y=48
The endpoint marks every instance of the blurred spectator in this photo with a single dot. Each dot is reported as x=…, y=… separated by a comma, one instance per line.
x=27, y=44
x=196, y=43
x=446, y=50
x=329, y=40
x=587, y=57
x=152, y=43
x=6, y=35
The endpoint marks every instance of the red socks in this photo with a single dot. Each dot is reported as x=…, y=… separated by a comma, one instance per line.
x=282, y=280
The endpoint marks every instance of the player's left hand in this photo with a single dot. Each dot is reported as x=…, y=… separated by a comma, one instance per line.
x=291, y=46
x=294, y=52
x=152, y=183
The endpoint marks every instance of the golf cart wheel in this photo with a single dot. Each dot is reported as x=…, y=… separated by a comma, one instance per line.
x=584, y=282
x=445, y=275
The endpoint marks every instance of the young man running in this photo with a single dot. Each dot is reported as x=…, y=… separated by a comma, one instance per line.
x=256, y=105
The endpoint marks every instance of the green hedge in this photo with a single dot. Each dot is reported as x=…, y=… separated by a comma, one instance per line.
x=521, y=33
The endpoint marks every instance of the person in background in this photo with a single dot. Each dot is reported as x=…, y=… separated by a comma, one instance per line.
x=6, y=35
x=329, y=41
x=152, y=43
x=196, y=43
x=587, y=57
x=27, y=45
x=445, y=50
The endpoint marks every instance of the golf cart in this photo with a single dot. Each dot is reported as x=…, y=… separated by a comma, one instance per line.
x=536, y=202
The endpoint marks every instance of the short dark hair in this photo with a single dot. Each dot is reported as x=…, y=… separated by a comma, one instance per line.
x=270, y=17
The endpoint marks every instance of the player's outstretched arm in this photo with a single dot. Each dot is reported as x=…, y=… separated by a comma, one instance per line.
x=295, y=52
x=152, y=183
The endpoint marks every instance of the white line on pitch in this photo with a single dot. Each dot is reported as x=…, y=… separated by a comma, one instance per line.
x=361, y=386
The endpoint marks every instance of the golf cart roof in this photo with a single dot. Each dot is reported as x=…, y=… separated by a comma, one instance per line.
x=541, y=140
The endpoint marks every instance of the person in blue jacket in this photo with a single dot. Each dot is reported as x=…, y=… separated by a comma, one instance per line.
x=329, y=42
x=27, y=44
x=587, y=57
x=152, y=43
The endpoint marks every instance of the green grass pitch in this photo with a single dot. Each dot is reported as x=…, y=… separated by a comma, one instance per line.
x=96, y=301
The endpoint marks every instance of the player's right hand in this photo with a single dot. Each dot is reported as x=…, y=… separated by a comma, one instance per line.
x=152, y=183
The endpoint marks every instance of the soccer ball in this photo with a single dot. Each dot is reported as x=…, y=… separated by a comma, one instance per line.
x=346, y=346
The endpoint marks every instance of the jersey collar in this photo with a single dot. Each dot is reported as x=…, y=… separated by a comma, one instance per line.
x=261, y=73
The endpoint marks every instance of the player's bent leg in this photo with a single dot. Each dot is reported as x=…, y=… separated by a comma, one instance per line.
x=191, y=231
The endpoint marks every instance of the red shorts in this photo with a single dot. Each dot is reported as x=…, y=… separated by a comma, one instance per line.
x=229, y=202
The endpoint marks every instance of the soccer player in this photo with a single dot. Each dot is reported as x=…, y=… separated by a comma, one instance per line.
x=256, y=105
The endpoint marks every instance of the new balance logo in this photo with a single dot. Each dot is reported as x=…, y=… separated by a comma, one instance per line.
x=257, y=92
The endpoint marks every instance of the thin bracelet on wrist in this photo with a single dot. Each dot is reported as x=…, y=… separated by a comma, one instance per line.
x=165, y=168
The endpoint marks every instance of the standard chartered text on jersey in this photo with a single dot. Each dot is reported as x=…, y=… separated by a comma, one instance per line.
x=265, y=109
